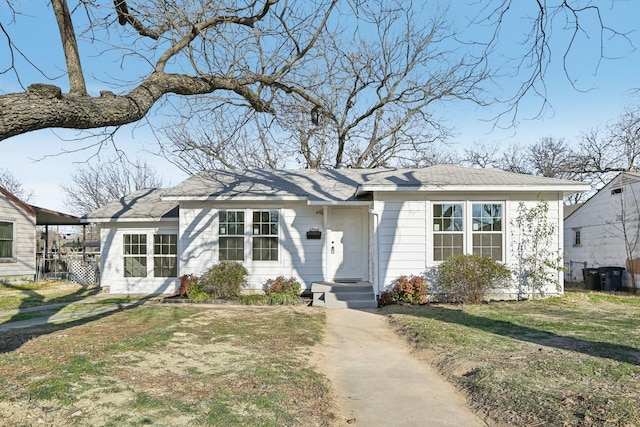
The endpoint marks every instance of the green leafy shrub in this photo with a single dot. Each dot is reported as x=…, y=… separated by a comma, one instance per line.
x=467, y=278
x=283, y=286
x=406, y=289
x=223, y=281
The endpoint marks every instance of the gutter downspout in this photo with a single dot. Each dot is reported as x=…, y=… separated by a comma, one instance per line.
x=376, y=249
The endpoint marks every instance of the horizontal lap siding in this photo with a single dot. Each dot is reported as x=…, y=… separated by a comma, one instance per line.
x=401, y=237
x=404, y=237
x=602, y=239
x=298, y=257
x=112, y=260
x=24, y=245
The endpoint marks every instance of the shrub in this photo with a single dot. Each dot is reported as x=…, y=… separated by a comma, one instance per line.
x=187, y=282
x=223, y=281
x=406, y=289
x=467, y=278
x=282, y=285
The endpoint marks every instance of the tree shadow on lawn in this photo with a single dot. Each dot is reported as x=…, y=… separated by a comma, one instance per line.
x=13, y=338
x=620, y=353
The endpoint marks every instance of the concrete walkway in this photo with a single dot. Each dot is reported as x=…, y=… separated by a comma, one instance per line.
x=51, y=313
x=378, y=382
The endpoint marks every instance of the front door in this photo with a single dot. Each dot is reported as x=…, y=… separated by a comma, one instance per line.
x=347, y=244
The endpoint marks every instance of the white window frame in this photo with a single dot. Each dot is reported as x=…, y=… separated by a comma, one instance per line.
x=467, y=226
x=12, y=258
x=250, y=233
x=138, y=255
x=577, y=237
x=164, y=255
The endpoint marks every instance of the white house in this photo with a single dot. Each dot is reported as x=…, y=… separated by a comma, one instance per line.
x=605, y=230
x=18, y=222
x=320, y=226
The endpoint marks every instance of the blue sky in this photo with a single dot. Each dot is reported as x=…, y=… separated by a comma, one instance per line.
x=36, y=159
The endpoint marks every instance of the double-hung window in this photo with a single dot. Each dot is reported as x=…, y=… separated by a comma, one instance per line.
x=487, y=230
x=231, y=236
x=165, y=258
x=265, y=235
x=6, y=240
x=135, y=255
x=448, y=230
x=465, y=227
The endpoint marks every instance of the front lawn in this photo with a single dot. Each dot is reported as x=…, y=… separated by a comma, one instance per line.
x=32, y=294
x=570, y=361
x=168, y=365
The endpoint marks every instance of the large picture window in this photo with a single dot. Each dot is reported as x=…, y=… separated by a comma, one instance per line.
x=231, y=233
x=265, y=235
x=487, y=230
x=6, y=240
x=135, y=255
x=165, y=250
x=448, y=230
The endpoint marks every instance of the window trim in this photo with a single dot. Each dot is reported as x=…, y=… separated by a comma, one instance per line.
x=164, y=256
x=467, y=226
x=473, y=232
x=139, y=256
x=11, y=258
x=248, y=236
x=435, y=233
x=577, y=237
x=269, y=235
x=235, y=236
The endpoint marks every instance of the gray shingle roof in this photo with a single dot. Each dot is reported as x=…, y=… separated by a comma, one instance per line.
x=141, y=204
x=346, y=184
x=320, y=185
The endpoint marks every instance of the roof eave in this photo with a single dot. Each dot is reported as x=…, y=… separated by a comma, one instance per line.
x=240, y=197
x=85, y=220
x=566, y=189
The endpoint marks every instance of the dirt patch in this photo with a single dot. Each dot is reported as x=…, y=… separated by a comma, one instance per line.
x=217, y=365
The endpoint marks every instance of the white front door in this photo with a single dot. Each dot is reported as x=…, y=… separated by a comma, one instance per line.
x=347, y=244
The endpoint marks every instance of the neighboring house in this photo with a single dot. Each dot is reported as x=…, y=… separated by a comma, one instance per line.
x=18, y=222
x=604, y=231
x=342, y=225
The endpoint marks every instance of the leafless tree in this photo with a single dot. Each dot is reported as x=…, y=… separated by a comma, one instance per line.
x=244, y=51
x=616, y=148
x=93, y=186
x=252, y=53
x=377, y=94
x=13, y=186
x=554, y=29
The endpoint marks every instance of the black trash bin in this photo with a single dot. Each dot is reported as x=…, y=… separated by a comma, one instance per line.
x=591, y=278
x=611, y=278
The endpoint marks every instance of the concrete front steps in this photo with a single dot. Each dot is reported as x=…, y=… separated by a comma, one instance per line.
x=343, y=295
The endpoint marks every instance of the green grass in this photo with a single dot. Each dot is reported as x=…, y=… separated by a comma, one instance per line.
x=568, y=361
x=15, y=296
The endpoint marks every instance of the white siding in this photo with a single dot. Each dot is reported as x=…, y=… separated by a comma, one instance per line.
x=404, y=236
x=298, y=257
x=112, y=259
x=601, y=230
x=23, y=264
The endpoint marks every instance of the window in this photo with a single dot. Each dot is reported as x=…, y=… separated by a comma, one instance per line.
x=448, y=236
x=616, y=191
x=231, y=232
x=576, y=237
x=165, y=249
x=135, y=255
x=487, y=230
x=6, y=239
x=265, y=235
